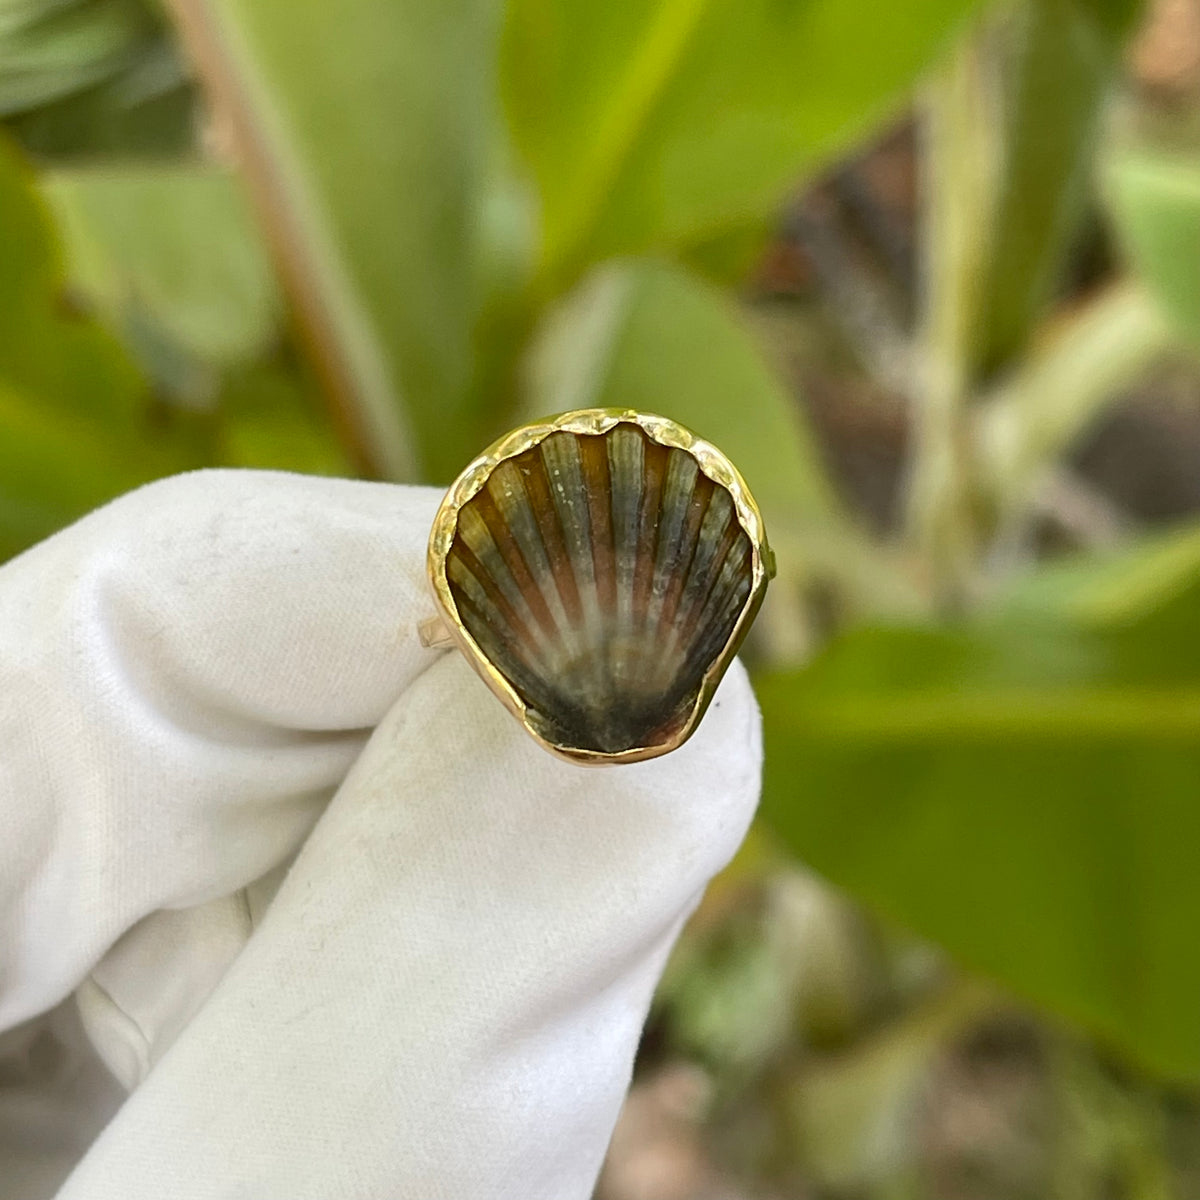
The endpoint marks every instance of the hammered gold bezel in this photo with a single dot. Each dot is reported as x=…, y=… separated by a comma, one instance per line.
x=595, y=421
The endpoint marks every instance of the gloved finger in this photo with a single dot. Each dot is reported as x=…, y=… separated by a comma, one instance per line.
x=188, y=673
x=445, y=995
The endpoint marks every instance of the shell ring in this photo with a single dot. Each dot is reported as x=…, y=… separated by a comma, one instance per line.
x=599, y=570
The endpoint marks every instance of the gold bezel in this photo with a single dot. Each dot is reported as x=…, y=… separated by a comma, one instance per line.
x=665, y=432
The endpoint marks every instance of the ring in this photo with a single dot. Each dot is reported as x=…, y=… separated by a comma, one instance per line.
x=599, y=570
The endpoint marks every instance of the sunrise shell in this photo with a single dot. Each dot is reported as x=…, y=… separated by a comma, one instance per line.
x=600, y=569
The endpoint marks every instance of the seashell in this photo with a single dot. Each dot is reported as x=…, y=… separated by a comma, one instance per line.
x=600, y=570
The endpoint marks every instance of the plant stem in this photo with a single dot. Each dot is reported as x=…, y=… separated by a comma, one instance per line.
x=1061, y=389
x=370, y=431
x=957, y=177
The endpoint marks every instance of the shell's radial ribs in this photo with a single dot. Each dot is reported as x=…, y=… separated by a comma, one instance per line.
x=600, y=570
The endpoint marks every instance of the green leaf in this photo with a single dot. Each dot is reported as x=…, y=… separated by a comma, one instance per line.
x=1117, y=585
x=1025, y=792
x=56, y=464
x=51, y=48
x=1063, y=385
x=641, y=334
x=88, y=77
x=172, y=246
x=76, y=422
x=1154, y=199
x=45, y=350
x=271, y=418
x=1009, y=134
x=644, y=335
x=659, y=124
x=1061, y=56
x=366, y=127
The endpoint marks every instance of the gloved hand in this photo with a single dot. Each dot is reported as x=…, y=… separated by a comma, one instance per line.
x=337, y=923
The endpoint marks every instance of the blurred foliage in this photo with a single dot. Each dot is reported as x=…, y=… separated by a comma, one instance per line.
x=365, y=131
x=82, y=77
x=1055, y=62
x=638, y=320
x=76, y=424
x=1156, y=199
x=1046, y=768
x=659, y=125
x=369, y=237
x=169, y=256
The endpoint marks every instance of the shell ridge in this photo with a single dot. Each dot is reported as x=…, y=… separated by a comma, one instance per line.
x=720, y=611
x=655, y=459
x=676, y=498
x=522, y=638
x=594, y=464
x=537, y=529
x=714, y=572
x=696, y=514
x=514, y=558
x=476, y=539
x=625, y=497
x=717, y=632
x=561, y=647
x=523, y=519
x=489, y=636
x=627, y=493
x=597, y=475
x=526, y=679
x=702, y=569
x=539, y=489
x=702, y=493
x=561, y=459
x=655, y=466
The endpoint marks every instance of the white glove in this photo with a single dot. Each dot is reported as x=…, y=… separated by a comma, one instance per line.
x=441, y=996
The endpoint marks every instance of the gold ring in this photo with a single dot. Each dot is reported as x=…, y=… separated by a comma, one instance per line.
x=599, y=570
